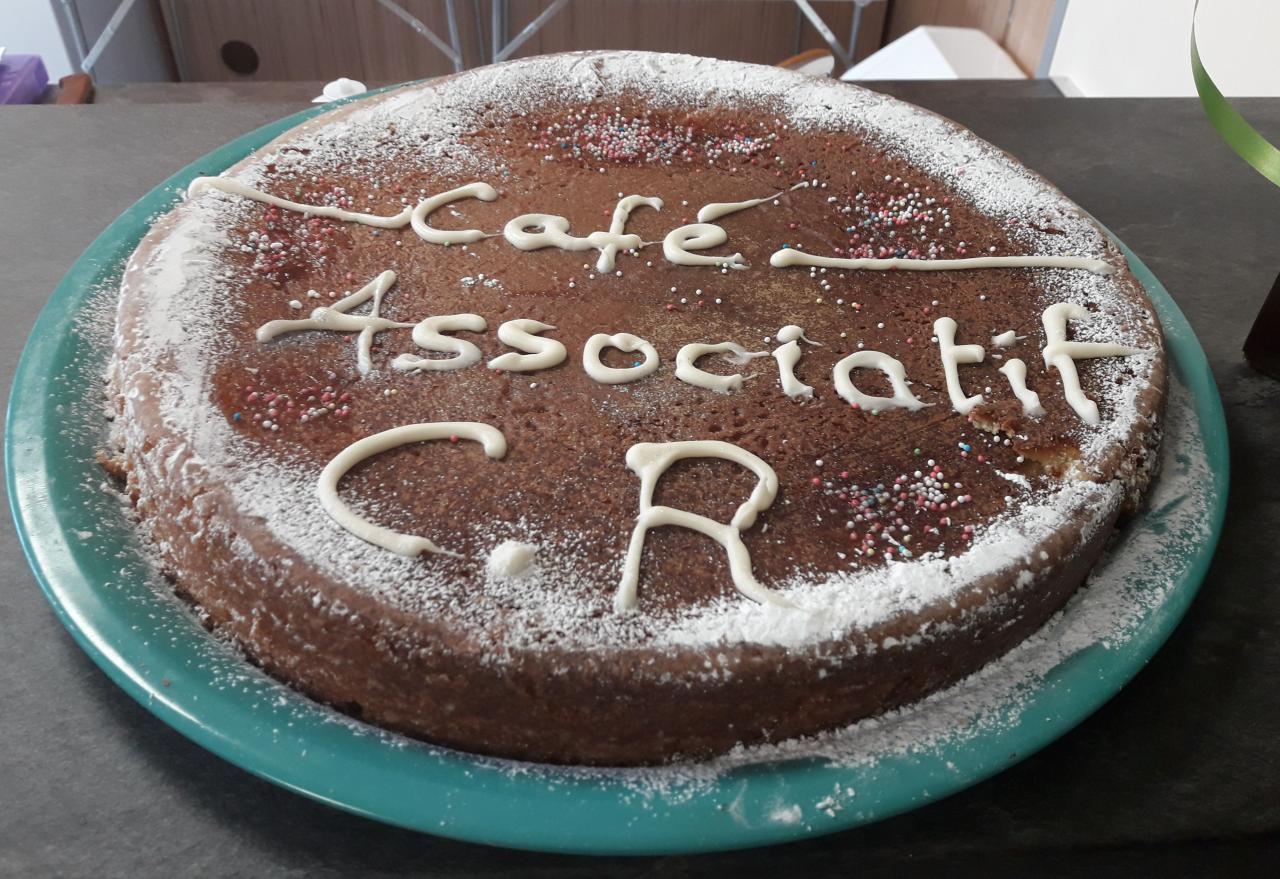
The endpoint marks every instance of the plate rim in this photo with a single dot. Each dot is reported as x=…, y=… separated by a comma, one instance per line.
x=505, y=798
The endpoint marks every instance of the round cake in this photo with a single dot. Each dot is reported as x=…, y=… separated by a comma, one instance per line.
x=614, y=408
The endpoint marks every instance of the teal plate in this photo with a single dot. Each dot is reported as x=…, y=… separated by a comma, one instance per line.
x=97, y=576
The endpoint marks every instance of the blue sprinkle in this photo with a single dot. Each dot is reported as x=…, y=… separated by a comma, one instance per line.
x=786, y=247
x=235, y=417
x=966, y=447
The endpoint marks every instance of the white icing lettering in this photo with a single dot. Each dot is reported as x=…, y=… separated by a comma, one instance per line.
x=541, y=353
x=235, y=187
x=952, y=356
x=788, y=355
x=424, y=209
x=649, y=461
x=428, y=334
x=609, y=243
x=699, y=236
x=623, y=342
x=714, y=211
x=791, y=257
x=688, y=372
x=1061, y=355
x=536, y=231
x=1016, y=371
x=335, y=318
x=553, y=231
x=897, y=374
x=495, y=446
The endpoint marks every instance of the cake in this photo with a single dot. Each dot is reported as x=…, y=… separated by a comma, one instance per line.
x=618, y=408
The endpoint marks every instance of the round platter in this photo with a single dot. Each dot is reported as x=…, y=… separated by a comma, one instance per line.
x=90, y=564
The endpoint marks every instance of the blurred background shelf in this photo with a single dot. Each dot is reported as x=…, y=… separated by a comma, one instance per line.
x=261, y=40
x=1091, y=48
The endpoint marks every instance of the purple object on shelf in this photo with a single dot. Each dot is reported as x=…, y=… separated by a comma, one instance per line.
x=22, y=79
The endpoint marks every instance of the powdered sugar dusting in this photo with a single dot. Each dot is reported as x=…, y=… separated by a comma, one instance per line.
x=1122, y=593
x=186, y=285
x=860, y=599
x=1117, y=605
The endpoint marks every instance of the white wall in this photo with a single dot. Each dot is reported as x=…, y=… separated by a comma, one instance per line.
x=29, y=27
x=1114, y=48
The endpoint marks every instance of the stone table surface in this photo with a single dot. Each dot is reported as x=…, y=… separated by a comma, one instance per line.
x=1179, y=773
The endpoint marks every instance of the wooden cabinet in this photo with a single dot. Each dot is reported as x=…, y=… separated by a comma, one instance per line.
x=311, y=39
x=324, y=39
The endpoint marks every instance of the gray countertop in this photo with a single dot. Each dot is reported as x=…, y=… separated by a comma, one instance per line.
x=1180, y=772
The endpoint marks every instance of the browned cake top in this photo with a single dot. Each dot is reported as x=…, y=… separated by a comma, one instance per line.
x=878, y=511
